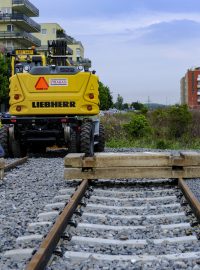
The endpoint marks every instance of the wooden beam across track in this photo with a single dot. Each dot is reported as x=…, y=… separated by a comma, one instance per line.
x=133, y=165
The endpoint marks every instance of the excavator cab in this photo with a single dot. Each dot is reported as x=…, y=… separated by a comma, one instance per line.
x=23, y=60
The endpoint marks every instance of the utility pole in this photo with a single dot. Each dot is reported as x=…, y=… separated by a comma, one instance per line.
x=148, y=101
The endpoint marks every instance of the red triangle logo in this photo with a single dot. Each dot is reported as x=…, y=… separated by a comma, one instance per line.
x=41, y=84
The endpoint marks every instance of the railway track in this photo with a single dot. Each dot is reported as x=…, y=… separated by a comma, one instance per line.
x=115, y=224
x=136, y=225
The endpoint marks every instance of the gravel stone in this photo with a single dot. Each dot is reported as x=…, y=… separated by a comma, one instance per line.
x=24, y=192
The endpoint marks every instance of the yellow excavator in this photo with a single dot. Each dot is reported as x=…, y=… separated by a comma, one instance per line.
x=51, y=103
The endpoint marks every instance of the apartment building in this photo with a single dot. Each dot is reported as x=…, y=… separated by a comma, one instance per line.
x=16, y=24
x=190, y=88
x=53, y=31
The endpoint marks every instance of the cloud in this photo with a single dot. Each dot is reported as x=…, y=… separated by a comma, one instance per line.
x=171, y=32
x=107, y=8
x=123, y=24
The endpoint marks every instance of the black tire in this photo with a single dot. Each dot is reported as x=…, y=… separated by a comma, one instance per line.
x=101, y=140
x=4, y=140
x=73, y=147
x=87, y=139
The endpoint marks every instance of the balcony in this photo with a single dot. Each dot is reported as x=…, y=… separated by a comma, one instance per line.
x=21, y=20
x=26, y=38
x=24, y=6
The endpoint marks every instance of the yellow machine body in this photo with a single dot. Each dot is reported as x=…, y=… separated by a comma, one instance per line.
x=54, y=94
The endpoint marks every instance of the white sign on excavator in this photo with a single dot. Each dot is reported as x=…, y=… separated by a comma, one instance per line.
x=58, y=82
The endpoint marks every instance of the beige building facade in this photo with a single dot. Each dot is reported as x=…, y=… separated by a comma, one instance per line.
x=53, y=31
x=48, y=32
x=16, y=25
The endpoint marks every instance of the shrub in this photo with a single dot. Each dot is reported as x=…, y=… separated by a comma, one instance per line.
x=195, y=124
x=179, y=121
x=159, y=122
x=138, y=126
x=171, y=123
x=162, y=144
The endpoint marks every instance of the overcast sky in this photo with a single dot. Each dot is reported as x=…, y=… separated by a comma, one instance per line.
x=139, y=48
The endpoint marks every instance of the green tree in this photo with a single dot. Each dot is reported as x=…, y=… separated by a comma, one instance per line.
x=137, y=106
x=105, y=97
x=119, y=102
x=125, y=106
x=4, y=77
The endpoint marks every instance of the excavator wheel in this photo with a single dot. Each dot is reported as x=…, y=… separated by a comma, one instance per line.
x=87, y=139
x=4, y=140
x=74, y=143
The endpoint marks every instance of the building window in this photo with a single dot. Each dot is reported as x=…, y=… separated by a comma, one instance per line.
x=10, y=27
x=6, y=10
x=53, y=30
x=9, y=44
x=78, y=52
x=193, y=83
x=44, y=31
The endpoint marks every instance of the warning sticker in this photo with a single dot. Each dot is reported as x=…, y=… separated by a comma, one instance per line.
x=58, y=82
x=41, y=84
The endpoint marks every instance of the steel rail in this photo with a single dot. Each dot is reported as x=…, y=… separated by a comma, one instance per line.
x=42, y=256
x=15, y=164
x=191, y=198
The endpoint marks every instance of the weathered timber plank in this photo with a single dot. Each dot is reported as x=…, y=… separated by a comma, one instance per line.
x=189, y=158
x=139, y=159
x=191, y=172
x=101, y=160
x=132, y=172
x=1, y=173
x=128, y=159
x=122, y=172
x=2, y=165
x=74, y=160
